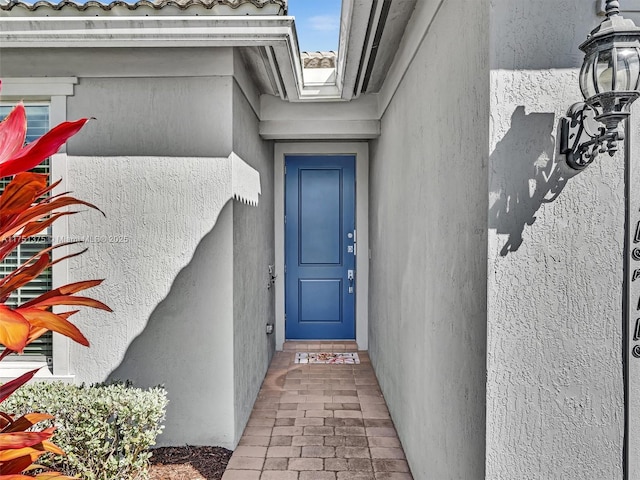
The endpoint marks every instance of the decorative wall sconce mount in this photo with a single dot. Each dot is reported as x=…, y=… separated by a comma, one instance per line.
x=610, y=83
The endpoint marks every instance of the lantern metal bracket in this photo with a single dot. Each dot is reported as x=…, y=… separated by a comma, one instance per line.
x=583, y=137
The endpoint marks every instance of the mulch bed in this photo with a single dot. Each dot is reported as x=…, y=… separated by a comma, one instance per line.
x=189, y=463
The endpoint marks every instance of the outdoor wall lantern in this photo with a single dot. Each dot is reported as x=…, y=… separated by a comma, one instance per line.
x=609, y=81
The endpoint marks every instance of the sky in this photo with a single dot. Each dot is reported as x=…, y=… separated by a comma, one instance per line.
x=317, y=24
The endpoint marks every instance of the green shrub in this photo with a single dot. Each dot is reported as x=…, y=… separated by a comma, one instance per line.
x=106, y=430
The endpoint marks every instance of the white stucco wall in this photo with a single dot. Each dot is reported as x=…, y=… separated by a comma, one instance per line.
x=168, y=243
x=165, y=249
x=633, y=293
x=554, y=381
x=253, y=252
x=181, y=116
x=428, y=190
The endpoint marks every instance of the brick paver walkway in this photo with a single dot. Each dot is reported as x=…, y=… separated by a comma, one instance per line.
x=319, y=422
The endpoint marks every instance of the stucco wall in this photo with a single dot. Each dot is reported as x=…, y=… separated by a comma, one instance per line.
x=183, y=116
x=253, y=247
x=165, y=249
x=428, y=190
x=554, y=387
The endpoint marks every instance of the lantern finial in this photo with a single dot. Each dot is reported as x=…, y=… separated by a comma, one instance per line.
x=612, y=8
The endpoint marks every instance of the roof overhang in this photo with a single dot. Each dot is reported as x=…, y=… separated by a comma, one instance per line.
x=145, y=24
x=274, y=33
x=371, y=56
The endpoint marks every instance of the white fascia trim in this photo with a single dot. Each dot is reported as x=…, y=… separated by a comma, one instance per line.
x=147, y=31
x=346, y=21
x=361, y=152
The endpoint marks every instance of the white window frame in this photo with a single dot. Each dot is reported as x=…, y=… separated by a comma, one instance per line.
x=361, y=151
x=54, y=91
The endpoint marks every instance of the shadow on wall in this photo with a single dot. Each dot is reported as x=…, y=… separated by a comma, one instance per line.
x=183, y=344
x=525, y=174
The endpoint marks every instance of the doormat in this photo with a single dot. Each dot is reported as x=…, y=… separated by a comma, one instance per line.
x=332, y=358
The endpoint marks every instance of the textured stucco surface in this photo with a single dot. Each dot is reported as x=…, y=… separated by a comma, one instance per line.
x=428, y=190
x=253, y=252
x=181, y=116
x=165, y=248
x=633, y=299
x=186, y=269
x=556, y=238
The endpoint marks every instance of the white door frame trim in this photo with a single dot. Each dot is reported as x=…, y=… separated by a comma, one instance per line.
x=361, y=152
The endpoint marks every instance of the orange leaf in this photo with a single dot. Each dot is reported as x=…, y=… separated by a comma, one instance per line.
x=53, y=448
x=14, y=329
x=14, y=440
x=16, y=476
x=43, y=319
x=34, y=153
x=21, y=192
x=36, y=333
x=22, y=275
x=69, y=300
x=33, y=228
x=8, y=388
x=68, y=289
x=8, y=455
x=13, y=131
x=26, y=421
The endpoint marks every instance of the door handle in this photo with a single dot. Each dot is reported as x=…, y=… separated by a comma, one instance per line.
x=350, y=277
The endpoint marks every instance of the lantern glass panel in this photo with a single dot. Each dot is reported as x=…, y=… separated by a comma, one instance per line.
x=586, y=77
x=628, y=69
x=604, y=72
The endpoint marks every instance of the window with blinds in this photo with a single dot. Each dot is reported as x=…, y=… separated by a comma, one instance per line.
x=41, y=349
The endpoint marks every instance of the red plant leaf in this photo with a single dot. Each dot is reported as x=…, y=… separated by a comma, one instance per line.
x=13, y=440
x=13, y=131
x=33, y=228
x=14, y=329
x=37, y=212
x=8, y=388
x=8, y=455
x=44, y=319
x=7, y=246
x=34, y=153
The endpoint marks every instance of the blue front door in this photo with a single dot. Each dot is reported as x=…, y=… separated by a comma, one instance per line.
x=319, y=247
